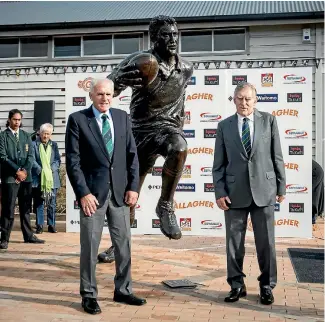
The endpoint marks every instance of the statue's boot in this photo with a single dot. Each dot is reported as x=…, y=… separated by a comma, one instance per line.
x=107, y=256
x=168, y=221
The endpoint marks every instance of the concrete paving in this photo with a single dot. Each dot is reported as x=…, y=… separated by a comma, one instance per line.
x=41, y=282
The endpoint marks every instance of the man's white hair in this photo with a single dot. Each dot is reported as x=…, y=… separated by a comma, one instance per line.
x=46, y=126
x=95, y=81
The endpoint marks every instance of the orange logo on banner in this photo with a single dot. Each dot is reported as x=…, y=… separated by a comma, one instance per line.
x=200, y=96
x=193, y=204
x=85, y=84
x=279, y=222
x=284, y=112
x=286, y=222
x=292, y=166
x=201, y=150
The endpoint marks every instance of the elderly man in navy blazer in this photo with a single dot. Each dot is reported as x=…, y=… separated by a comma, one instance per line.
x=102, y=165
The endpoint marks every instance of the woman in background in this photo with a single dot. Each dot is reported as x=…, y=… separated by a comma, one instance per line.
x=46, y=178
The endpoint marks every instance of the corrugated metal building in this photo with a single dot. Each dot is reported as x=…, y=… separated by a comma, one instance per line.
x=40, y=41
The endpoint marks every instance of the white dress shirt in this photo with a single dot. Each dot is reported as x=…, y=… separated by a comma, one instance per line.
x=250, y=123
x=99, y=120
x=14, y=132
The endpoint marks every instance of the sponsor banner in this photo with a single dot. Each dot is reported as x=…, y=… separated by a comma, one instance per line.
x=206, y=172
x=79, y=101
x=185, y=224
x=292, y=166
x=188, y=187
x=296, y=134
x=155, y=223
x=208, y=187
x=211, y=80
x=296, y=188
x=294, y=79
x=267, y=98
x=267, y=80
x=210, y=117
x=286, y=112
x=209, y=133
x=296, y=207
x=192, y=81
x=209, y=99
x=211, y=224
x=294, y=97
x=296, y=150
x=200, y=96
x=189, y=134
x=239, y=79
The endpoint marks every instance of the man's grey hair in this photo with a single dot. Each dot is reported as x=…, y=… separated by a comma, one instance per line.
x=46, y=126
x=95, y=81
x=240, y=86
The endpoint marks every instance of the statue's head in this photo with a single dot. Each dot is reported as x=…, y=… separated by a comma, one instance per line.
x=164, y=35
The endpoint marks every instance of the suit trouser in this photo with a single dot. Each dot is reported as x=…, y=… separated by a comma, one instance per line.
x=263, y=226
x=10, y=192
x=91, y=228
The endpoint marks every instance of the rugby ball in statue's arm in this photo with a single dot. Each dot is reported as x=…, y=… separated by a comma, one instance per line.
x=148, y=66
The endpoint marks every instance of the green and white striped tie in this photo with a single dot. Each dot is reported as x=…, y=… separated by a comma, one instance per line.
x=246, y=136
x=107, y=135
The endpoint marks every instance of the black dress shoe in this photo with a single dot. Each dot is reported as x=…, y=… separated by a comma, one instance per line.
x=39, y=229
x=266, y=295
x=51, y=229
x=35, y=240
x=128, y=299
x=3, y=244
x=90, y=305
x=107, y=256
x=235, y=294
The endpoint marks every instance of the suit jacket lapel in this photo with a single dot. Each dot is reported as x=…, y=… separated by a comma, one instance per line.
x=258, y=126
x=116, y=128
x=234, y=130
x=11, y=136
x=94, y=128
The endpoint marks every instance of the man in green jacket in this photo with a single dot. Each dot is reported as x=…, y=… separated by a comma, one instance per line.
x=16, y=159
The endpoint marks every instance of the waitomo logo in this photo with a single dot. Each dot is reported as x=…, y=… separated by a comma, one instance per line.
x=295, y=134
x=294, y=79
x=296, y=188
x=267, y=98
x=209, y=117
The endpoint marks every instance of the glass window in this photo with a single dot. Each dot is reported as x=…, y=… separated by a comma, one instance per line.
x=229, y=40
x=66, y=47
x=97, y=45
x=33, y=47
x=9, y=47
x=196, y=41
x=126, y=44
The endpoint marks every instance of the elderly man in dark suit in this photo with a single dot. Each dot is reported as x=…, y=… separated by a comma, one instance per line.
x=249, y=177
x=16, y=156
x=46, y=177
x=102, y=165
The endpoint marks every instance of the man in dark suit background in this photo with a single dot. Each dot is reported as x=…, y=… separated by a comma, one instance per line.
x=16, y=157
x=102, y=165
x=249, y=177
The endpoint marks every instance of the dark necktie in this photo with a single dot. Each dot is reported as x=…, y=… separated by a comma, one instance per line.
x=17, y=137
x=107, y=135
x=246, y=136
